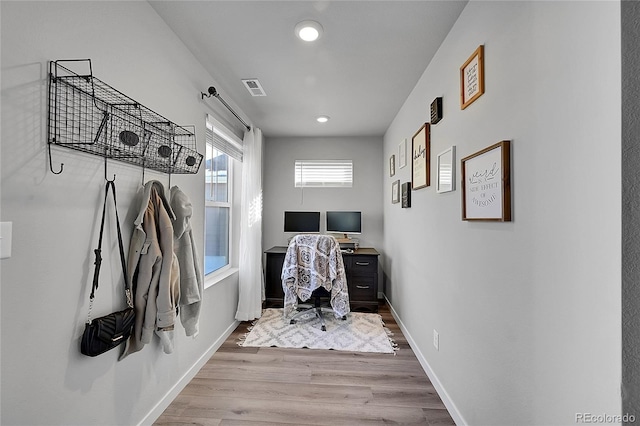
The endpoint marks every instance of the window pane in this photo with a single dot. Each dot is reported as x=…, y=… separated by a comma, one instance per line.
x=216, y=244
x=216, y=175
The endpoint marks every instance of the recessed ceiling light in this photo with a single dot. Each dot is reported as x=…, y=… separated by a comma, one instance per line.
x=308, y=30
x=322, y=119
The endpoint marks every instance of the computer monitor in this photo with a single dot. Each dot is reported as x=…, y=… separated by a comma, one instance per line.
x=342, y=222
x=301, y=222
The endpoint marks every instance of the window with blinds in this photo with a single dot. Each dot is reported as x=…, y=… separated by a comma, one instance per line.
x=223, y=143
x=324, y=173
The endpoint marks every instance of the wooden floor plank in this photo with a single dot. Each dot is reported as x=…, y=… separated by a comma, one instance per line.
x=310, y=412
x=277, y=391
x=276, y=386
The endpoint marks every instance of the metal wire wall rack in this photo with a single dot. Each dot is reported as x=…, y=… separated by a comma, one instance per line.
x=86, y=114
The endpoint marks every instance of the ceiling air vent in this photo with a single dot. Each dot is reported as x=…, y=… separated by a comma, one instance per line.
x=254, y=87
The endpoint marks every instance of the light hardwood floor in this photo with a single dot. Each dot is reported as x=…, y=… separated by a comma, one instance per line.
x=272, y=386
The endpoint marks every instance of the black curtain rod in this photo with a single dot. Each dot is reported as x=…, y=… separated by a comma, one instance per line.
x=213, y=92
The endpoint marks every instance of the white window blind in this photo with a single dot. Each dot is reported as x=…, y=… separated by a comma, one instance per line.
x=224, y=144
x=324, y=173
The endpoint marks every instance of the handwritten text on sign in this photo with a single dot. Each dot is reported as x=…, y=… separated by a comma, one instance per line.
x=471, y=82
x=420, y=177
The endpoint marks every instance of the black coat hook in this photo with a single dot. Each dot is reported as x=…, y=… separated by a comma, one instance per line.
x=51, y=163
x=105, y=172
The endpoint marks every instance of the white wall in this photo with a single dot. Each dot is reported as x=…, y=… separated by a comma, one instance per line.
x=45, y=284
x=528, y=312
x=280, y=194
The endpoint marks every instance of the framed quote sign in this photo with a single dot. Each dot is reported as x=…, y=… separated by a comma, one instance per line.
x=420, y=158
x=486, y=184
x=472, y=78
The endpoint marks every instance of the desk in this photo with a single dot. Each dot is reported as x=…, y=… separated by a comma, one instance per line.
x=361, y=268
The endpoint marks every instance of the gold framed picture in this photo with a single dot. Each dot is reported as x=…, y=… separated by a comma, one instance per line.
x=472, y=78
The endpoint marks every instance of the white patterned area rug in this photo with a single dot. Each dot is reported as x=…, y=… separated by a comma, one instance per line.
x=360, y=332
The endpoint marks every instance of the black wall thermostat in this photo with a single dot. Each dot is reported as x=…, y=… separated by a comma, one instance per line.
x=436, y=110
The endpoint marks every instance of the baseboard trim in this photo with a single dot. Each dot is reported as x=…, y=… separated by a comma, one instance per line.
x=446, y=399
x=162, y=405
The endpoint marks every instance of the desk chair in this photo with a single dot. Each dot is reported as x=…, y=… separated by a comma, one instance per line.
x=313, y=268
x=304, y=310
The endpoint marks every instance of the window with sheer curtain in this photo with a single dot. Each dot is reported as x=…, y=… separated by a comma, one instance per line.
x=222, y=151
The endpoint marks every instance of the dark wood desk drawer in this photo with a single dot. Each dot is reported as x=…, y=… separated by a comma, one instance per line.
x=363, y=265
x=362, y=288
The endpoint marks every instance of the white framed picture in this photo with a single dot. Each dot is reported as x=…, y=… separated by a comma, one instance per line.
x=402, y=153
x=446, y=167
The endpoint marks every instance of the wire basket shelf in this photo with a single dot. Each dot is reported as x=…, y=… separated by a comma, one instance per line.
x=86, y=114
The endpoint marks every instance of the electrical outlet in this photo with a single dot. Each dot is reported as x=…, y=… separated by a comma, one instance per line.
x=5, y=239
x=436, y=340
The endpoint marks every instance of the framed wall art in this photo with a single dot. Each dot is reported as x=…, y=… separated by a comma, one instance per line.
x=436, y=110
x=486, y=184
x=472, y=78
x=406, y=195
x=421, y=158
x=402, y=153
x=395, y=192
x=392, y=165
x=446, y=170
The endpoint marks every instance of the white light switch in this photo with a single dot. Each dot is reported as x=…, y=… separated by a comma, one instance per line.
x=5, y=239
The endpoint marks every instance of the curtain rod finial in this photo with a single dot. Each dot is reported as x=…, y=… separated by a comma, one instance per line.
x=212, y=92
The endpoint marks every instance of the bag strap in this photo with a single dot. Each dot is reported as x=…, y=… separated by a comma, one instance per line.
x=98, y=251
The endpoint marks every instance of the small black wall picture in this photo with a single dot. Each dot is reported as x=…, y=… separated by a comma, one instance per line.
x=436, y=110
x=406, y=195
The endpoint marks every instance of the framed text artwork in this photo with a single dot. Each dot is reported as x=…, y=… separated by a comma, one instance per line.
x=420, y=158
x=486, y=184
x=446, y=170
x=395, y=192
x=472, y=78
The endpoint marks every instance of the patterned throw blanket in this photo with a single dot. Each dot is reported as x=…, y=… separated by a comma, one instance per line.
x=314, y=261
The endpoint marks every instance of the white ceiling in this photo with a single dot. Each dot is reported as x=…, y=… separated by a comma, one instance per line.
x=359, y=72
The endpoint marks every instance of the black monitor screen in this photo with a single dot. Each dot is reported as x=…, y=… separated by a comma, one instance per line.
x=344, y=222
x=301, y=222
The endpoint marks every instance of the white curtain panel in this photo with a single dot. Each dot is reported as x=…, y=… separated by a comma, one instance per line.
x=251, y=279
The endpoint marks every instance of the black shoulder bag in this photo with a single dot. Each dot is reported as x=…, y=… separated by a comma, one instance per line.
x=109, y=331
